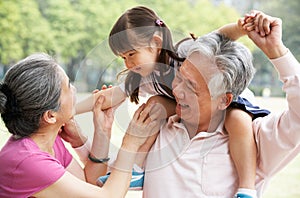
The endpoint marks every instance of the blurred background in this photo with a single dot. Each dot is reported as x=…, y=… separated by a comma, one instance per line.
x=76, y=32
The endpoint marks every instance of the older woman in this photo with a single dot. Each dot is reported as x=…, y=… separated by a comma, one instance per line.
x=37, y=104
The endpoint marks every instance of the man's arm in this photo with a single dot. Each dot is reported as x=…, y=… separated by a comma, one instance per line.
x=277, y=135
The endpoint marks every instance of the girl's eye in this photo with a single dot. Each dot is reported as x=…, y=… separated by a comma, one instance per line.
x=131, y=54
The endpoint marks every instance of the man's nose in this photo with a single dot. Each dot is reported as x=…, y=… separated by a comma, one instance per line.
x=178, y=90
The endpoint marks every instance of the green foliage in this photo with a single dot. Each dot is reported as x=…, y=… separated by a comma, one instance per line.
x=76, y=31
x=72, y=29
x=21, y=32
x=289, y=13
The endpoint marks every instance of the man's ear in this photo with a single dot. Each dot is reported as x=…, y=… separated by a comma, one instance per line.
x=49, y=117
x=225, y=101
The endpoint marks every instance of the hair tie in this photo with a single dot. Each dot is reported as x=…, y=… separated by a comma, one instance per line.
x=159, y=22
x=11, y=104
x=5, y=89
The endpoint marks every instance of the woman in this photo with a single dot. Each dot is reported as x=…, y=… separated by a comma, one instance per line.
x=37, y=104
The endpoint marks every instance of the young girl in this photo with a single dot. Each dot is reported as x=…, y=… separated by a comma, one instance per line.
x=145, y=43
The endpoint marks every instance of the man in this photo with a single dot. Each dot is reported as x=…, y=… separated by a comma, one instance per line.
x=191, y=158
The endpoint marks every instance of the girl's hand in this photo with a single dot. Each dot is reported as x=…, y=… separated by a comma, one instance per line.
x=259, y=22
x=247, y=22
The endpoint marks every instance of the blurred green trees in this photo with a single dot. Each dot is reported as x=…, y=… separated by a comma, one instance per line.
x=76, y=31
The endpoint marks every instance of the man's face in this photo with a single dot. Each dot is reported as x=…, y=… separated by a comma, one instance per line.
x=194, y=103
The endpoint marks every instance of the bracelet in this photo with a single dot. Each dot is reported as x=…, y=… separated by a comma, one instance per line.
x=96, y=160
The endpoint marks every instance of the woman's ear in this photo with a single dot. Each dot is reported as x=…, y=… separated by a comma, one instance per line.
x=49, y=117
x=225, y=101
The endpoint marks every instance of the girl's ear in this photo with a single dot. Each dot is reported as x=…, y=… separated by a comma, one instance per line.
x=225, y=101
x=157, y=41
x=49, y=117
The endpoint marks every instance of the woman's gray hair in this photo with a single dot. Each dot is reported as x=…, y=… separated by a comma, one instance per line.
x=30, y=88
x=233, y=61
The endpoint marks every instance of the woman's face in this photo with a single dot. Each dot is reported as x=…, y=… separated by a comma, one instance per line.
x=68, y=96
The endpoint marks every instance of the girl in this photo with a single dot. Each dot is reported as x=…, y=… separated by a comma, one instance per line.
x=145, y=43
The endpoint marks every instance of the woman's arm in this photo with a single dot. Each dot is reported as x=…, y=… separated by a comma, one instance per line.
x=113, y=96
x=139, y=129
x=100, y=147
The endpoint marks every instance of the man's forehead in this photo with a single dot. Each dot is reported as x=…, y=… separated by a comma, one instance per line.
x=201, y=64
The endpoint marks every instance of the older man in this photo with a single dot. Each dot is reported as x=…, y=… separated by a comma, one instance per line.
x=191, y=158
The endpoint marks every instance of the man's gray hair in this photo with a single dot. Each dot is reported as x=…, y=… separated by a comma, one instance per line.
x=233, y=61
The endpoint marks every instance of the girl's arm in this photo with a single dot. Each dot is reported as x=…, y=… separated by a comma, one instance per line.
x=235, y=30
x=232, y=31
x=113, y=96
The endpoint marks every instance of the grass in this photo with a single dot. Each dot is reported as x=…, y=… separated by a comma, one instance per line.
x=285, y=184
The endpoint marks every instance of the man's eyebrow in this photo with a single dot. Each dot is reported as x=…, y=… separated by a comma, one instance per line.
x=187, y=80
x=193, y=84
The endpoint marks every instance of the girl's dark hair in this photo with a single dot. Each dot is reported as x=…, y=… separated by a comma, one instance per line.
x=29, y=89
x=136, y=27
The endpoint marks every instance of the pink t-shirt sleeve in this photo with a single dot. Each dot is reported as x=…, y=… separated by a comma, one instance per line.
x=40, y=170
x=37, y=172
x=62, y=153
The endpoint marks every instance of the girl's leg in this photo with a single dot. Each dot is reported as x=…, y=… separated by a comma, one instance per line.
x=242, y=147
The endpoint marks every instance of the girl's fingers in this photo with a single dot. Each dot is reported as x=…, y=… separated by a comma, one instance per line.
x=241, y=21
x=95, y=91
x=104, y=87
x=249, y=27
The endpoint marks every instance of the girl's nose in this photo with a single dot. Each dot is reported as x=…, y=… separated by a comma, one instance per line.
x=129, y=64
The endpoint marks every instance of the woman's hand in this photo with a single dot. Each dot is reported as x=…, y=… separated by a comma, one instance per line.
x=71, y=132
x=102, y=119
x=143, y=128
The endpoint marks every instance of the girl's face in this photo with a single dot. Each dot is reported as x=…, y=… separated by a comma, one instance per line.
x=141, y=60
